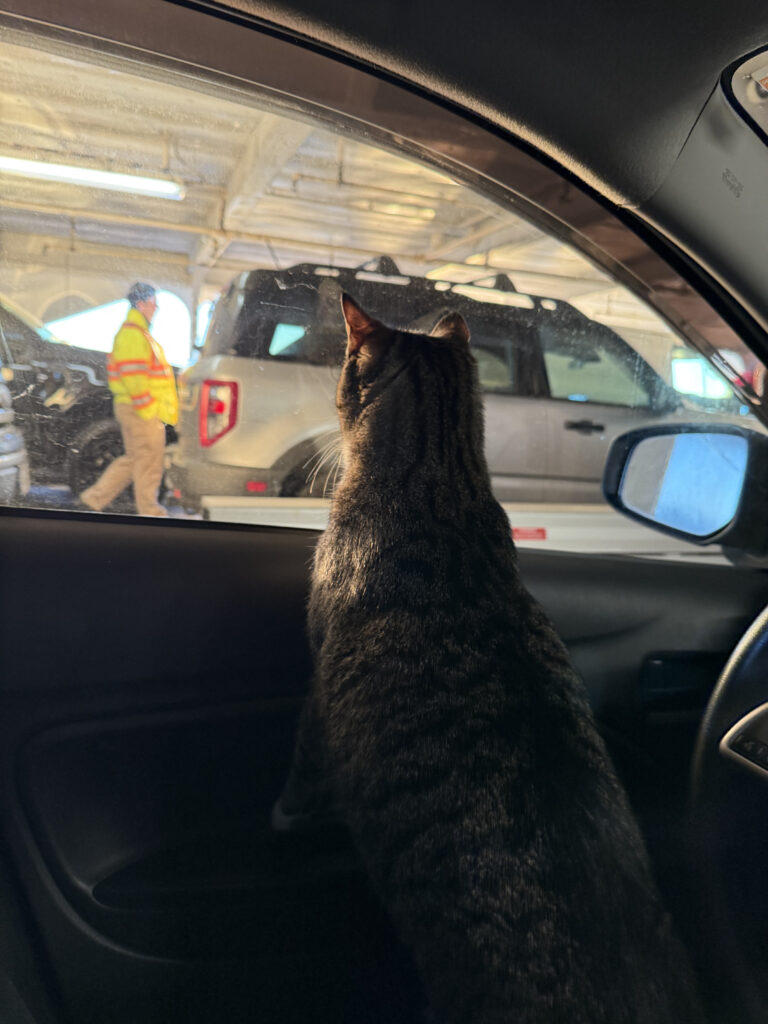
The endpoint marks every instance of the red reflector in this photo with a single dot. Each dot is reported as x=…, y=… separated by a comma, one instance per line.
x=256, y=486
x=176, y=492
x=529, y=533
x=216, y=407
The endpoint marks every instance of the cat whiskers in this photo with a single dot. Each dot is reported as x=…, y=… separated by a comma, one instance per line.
x=336, y=470
x=330, y=452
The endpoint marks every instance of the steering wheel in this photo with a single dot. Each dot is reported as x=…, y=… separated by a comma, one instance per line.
x=730, y=832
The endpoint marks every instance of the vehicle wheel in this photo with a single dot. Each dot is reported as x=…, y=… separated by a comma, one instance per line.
x=93, y=449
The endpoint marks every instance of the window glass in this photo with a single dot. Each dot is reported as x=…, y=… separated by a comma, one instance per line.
x=593, y=377
x=493, y=368
x=590, y=369
x=285, y=340
x=241, y=226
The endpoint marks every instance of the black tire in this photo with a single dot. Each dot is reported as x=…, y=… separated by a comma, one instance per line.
x=300, y=482
x=92, y=450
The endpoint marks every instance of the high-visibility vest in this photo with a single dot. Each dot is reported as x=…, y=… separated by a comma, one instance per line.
x=139, y=374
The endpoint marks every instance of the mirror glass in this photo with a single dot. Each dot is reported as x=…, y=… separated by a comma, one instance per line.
x=689, y=482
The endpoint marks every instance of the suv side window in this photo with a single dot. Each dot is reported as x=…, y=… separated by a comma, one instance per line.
x=494, y=369
x=582, y=367
x=500, y=348
x=21, y=340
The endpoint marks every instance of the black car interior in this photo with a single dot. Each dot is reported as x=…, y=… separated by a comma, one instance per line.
x=137, y=790
x=151, y=672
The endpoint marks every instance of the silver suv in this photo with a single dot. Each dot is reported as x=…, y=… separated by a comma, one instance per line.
x=257, y=407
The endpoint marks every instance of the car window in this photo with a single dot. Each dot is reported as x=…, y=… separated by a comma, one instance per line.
x=493, y=368
x=496, y=346
x=21, y=342
x=585, y=368
x=246, y=223
x=286, y=339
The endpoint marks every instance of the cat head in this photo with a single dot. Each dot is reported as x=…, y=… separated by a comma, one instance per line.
x=407, y=399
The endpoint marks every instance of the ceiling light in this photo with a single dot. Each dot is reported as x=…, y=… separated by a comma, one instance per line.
x=394, y=209
x=159, y=187
x=491, y=295
x=453, y=272
x=404, y=210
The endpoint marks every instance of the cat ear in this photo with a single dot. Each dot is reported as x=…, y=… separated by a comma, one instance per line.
x=360, y=326
x=452, y=325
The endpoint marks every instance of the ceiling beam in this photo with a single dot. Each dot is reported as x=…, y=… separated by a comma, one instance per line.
x=272, y=144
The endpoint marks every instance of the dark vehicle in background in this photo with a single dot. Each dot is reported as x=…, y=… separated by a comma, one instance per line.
x=61, y=401
x=257, y=408
x=14, y=466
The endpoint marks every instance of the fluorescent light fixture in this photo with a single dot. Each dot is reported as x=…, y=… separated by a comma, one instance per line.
x=370, y=275
x=159, y=187
x=395, y=209
x=459, y=272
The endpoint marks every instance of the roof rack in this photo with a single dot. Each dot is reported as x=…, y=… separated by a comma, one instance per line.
x=383, y=265
x=501, y=283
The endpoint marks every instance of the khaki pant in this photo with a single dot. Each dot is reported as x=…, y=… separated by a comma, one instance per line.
x=144, y=442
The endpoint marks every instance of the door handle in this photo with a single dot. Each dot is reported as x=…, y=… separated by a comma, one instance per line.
x=585, y=426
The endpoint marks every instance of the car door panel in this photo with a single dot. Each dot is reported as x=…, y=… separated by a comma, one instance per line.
x=579, y=435
x=598, y=387
x=516, y=446
x=139, y=776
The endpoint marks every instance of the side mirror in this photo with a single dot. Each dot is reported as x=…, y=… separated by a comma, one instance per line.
x=707, y=484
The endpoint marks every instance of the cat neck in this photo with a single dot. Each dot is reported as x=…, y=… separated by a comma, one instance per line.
x=378, y=509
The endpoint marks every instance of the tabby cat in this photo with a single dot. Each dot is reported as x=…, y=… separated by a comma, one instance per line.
x=448, y=726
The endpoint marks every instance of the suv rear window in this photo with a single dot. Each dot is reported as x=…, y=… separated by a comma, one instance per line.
x=260, y=317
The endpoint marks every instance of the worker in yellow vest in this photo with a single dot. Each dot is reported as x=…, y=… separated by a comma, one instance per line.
x=145, y=399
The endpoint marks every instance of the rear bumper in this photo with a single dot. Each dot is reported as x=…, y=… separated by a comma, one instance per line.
x=190, y=481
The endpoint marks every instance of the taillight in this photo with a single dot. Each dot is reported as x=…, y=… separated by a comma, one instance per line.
x=218, y=410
